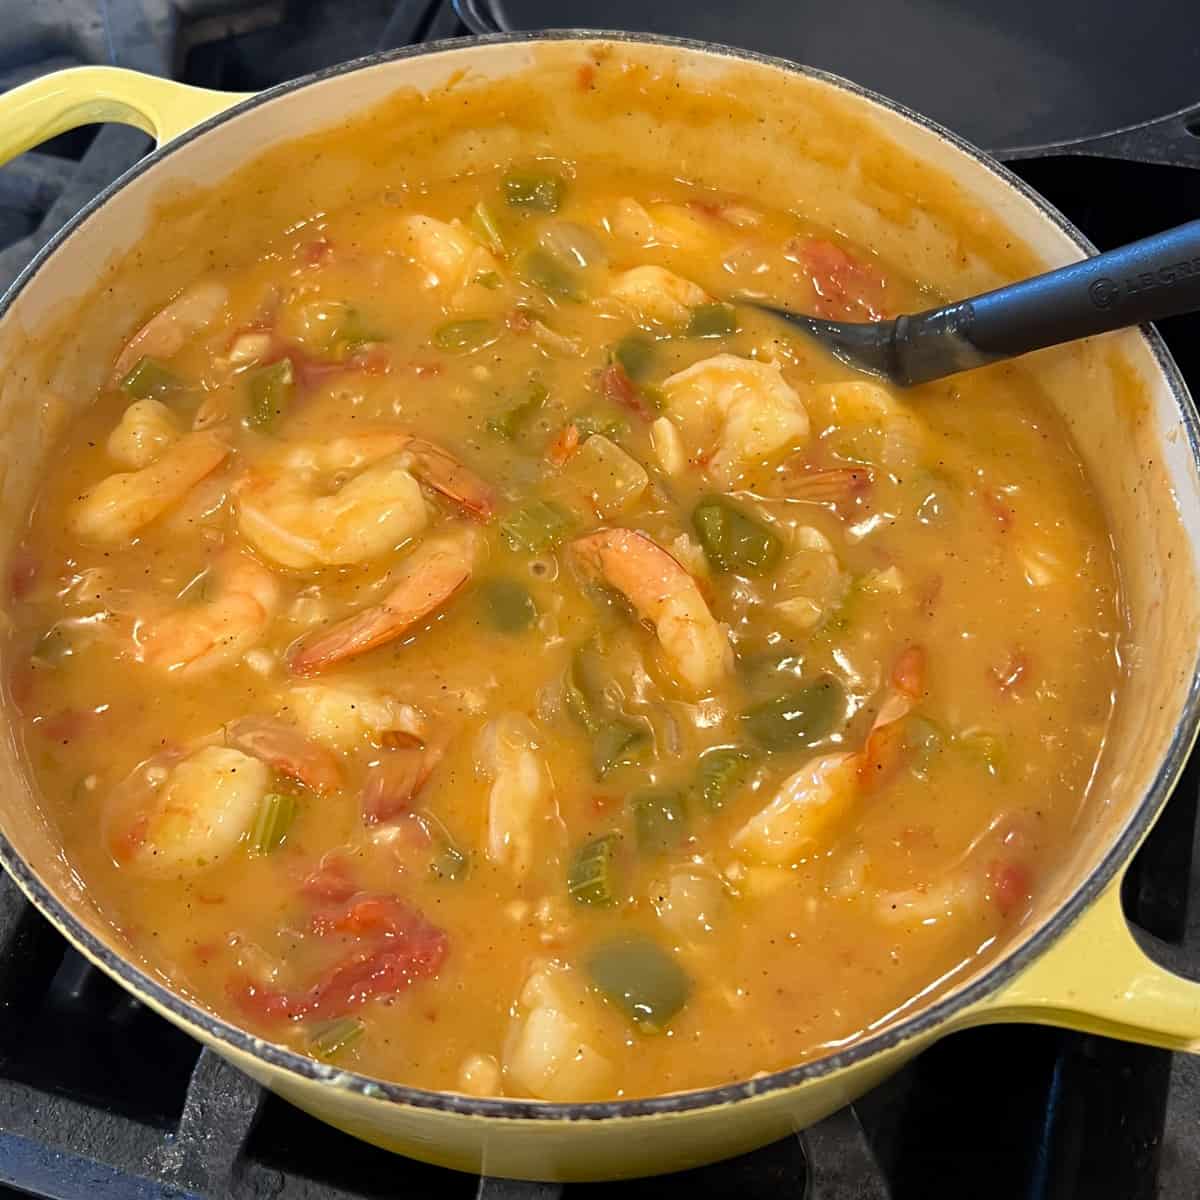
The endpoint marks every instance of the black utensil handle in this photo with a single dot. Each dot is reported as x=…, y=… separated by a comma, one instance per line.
x=1172, y=141
x=1144, y=281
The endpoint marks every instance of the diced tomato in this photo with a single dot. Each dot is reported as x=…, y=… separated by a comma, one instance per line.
x=1012, y=671
x=399, y=947
x=1010, y=885
x=618, y=388
x=845, y=287
x=317, y=252
x=908, y=672
x=330, y=881
x=1000, y=511
x=564, y=445
x=23, y=569
x=931, y=593
x=67, y=725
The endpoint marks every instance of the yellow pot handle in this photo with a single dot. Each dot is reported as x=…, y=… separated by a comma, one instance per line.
x=63, y=100
x=1097, y=979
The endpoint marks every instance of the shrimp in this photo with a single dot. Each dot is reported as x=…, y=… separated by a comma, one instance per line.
x=164, y=334
x=812, y=800
x=118, y=506
x=878, y=428
x=664, y=224
x=145, y=430
x=343, y=715
x=428, y=579
x=196, y=639
x=548, y=1052
x=451, y=257
x=286, y=751
x=182, y=815
x=284, y=514
x=658, y=295
x=664, y=594
x=811, y=582
x=735, y=412
x=521, y=795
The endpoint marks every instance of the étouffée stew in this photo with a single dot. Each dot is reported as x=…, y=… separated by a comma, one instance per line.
x=462, y=644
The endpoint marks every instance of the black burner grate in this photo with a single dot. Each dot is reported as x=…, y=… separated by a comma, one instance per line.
x=101, y=1099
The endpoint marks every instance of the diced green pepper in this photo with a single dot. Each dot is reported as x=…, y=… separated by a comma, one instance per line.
x=537, y=526
x=545, y=271
x=712, y=321
x=721, y=770
x=461, y=337
x=510, y=420
x=797, y=720
x=985, y=748
x=270, y=389
x=592, y=877
x=450, y=863
x=641, y=979
x=584, y=688
x=333, y=1038
x=539, y=191
x=732, y=540
x=925, y=740
x=597, y=420
x=276, y=812
x=619, y=743
x=485, y=227
x=488, y=279
x=659, y=820
x=149, y=377
x=353, y=332
x=510, y=607
x=635, y=352
x=52, y=647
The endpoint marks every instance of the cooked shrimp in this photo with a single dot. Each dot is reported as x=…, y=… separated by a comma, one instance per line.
x=145, y=430
x=521, y=798
x=658, y=295
x=664, y=224
x=735, y=413
x=291, y=510
x=810, y=802
x=118, y=506
x=664, y=594
x=286, y=751
x=548, y=1052
x=344, y=715
x=879, y=428
x=429, y=579
x=451, y=257
x=194, y=639
x=164, y=334
x=810, y=583
x=184, y=815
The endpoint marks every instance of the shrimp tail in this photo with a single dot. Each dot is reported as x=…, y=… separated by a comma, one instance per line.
x=431, y=578
x=445, y=474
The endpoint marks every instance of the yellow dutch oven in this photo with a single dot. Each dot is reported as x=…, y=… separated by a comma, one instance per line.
x=933, y=206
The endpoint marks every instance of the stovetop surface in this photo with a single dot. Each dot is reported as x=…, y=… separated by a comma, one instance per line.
x=100, y=1098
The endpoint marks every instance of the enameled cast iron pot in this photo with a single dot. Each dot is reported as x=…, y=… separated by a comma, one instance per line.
x=931, y=205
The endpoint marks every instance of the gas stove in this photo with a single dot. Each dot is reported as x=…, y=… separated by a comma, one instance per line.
x=102, y=1100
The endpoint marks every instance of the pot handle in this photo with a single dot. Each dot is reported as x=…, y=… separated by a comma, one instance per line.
x=64, y=100
x=1098, y=979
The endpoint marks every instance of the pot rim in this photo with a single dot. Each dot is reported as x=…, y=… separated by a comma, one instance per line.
x=192, y=1016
